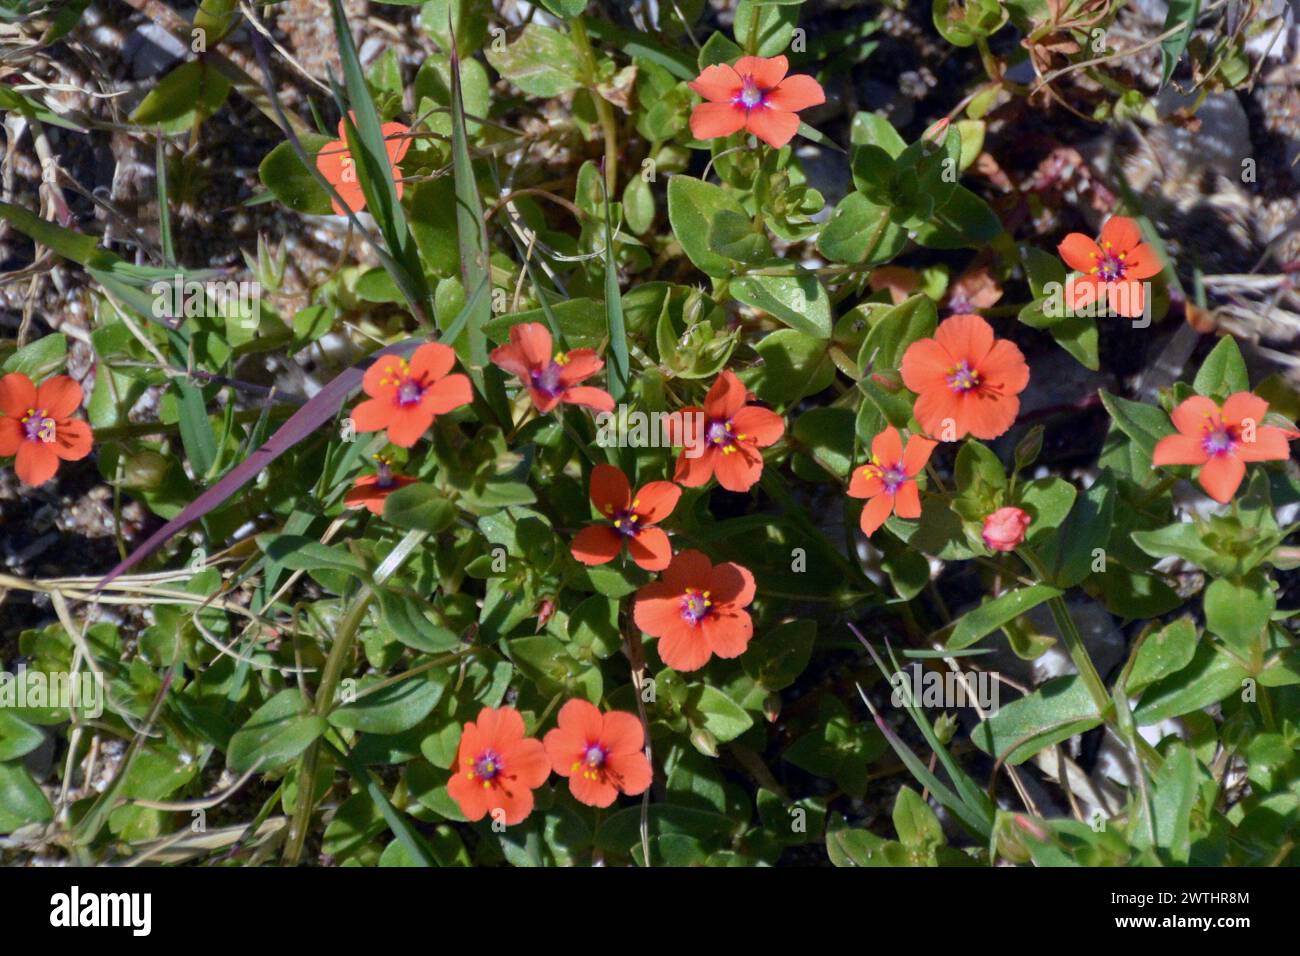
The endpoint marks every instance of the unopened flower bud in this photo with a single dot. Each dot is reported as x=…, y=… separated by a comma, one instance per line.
x=1004, y=530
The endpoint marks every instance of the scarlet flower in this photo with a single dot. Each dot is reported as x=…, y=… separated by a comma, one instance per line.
x=601, y=754
x=1118, y=265
x=406, y=397
x=551, y=379
x=888, y=481
x=37, y=426
x=631, y=518
x=732, y=434
x=754, y=95
x=1004, y=529
x=497, y=767
x=336, y=164
x=1221, y=441
x=371, y=491
x=697, y=610
x=965, y=379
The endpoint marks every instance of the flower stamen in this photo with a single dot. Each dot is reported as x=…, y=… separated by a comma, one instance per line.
x=962, y=378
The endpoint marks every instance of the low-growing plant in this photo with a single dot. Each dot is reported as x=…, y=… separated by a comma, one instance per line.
x=646, y=507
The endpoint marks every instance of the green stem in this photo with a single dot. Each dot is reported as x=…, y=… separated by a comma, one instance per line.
x=1073, y=641
x=323, y=703
x=1079, y=654
x=604, y=110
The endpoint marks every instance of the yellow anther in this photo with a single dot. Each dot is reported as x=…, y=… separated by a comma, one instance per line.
x=561, y=359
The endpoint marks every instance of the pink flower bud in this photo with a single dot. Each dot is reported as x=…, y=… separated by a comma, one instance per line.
x=1004, y=530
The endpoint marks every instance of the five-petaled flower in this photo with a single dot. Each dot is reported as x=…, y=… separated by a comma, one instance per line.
x=965, y=379
x=551, y=378
x=754, y=95
x=371, y=491
x=629, y=518
x=37, y=426
x=888, y=481
x=497, y=768
x=406, y=397
x=697, y=610
x=1116, y=264
x=337, y=165
x=601, y=754
x=732, y=434
x=1222, y=440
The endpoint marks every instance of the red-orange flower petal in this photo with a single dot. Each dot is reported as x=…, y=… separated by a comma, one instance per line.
x=610, y=490
x=17, y=394
x=715, y=120
x=875, y=512
x=650, y=549
x=656, y=500
x=774, y=127
x=766, y=72
x=36, y=462
x=585, y=395
x=727, y=395
x=58, y=396
x=1079, y=252
x=1221, y=476
x=719, y=83
x=11, y=435
x=1179, y=450
x=73, y=439
x=1122, y=233
x=596, y=544
x=796, y=93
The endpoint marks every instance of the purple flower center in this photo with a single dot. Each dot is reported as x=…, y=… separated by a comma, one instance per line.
x=1218, y=440
x=893, y=476
x=963, y=378
x=37, y=426
x=719, y=434
x=696, y=605
x=383, y=474
x=1110, y=268
x=409, y=392
x=547, y=380
x=750, y=95
x=625, y=523
x=488, y=766
x=594, y=755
